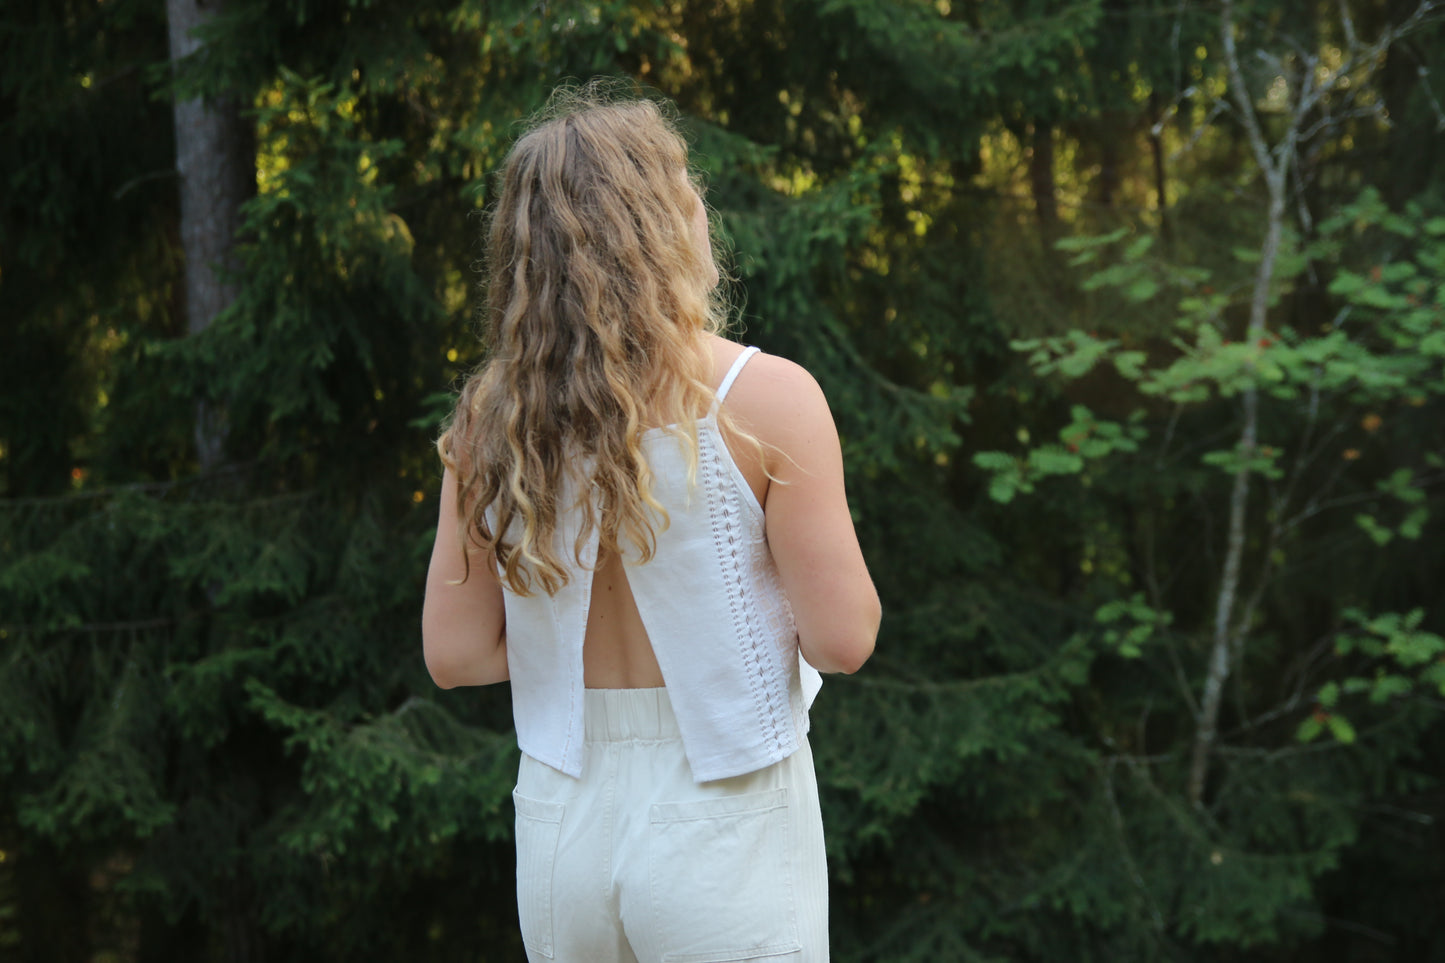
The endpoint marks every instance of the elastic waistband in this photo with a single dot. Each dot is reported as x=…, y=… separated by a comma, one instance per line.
x=619, y=715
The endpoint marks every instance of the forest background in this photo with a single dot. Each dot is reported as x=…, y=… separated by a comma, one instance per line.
x=1131, y=315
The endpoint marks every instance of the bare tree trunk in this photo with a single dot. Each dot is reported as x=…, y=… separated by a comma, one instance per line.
x=1275, y=167
x=1041, y=178
x=1312, y=83
x=217, y=174
x=215, y=159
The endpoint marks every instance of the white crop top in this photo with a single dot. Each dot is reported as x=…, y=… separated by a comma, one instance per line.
x=715, y=613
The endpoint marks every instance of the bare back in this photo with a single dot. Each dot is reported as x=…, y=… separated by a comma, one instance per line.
x=616, y=652
x=809, y=531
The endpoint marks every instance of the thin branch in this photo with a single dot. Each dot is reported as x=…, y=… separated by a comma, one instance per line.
x=1219, y=107
x=1167, y=114
x=1314, y=508
x=1351, y=40
x=1423, y=819
x=1424, y=74
x=1116, y=817
x=1302, y=671
x=1302, y=210
x=134, y=182
x=1286, y=708
x=1237, y=87
x=1360, y=929
x=1168, y=435
x=1186, y=688
x=1375, y=111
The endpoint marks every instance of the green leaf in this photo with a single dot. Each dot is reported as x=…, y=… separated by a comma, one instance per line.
x=1414, y=523
x=1141, y=289
x=1387, y=687
x=1341, y=729
x=994, y=460
x=1400, y=485
x=1378, y=533
x=1053, y=459
x=1002, y=488
x=1130, y=364
x=1138, y=247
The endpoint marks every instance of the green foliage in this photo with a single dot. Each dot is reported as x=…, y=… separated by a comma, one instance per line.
x=215, y=729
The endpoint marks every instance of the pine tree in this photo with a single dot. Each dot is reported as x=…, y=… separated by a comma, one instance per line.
x=217, y=740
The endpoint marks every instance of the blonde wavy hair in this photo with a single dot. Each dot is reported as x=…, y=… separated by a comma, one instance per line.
x=599, y=299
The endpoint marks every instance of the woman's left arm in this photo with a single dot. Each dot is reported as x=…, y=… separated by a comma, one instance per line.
x=463, y=624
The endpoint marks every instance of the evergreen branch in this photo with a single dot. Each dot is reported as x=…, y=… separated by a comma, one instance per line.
x=88, y=494
x=944, y=686
x=226, y=472
x=1116, y=819
x=89, y=628
x=156, y=488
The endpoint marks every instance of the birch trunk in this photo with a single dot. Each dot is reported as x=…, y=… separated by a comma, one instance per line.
x=1275, y=167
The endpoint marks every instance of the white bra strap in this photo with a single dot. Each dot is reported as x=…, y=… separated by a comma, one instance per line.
x=727, y=382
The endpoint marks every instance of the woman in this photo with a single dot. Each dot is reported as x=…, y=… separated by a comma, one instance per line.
x=659, y=574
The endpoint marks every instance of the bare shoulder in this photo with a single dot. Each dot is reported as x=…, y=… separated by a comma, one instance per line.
x=772, y=394
x=772, y=372
x=809, y=523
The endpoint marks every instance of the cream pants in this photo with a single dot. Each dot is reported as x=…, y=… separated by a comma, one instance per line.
x=636, y=862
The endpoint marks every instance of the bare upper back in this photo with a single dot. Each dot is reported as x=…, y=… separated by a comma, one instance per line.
x=617, y=653
x=796, y=472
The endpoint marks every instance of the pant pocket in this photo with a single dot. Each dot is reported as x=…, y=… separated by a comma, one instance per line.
x=539, y=826
x=720, y=872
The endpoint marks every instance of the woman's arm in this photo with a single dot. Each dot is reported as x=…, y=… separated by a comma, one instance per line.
x=463, y=626
x=810, y=530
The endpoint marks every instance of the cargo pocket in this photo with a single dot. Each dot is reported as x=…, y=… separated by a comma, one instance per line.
x=721, y=878
x=539, y=825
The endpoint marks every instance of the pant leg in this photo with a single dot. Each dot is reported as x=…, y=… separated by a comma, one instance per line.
x=733, y=869
x=566, y=904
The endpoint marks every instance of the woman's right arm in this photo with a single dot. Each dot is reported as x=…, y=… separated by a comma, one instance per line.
x=810, y=529
x=463, y=623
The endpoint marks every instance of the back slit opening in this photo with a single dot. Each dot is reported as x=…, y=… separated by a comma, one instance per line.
x=616, y=650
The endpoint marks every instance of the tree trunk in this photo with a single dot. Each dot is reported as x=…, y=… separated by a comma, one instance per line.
x=1227, y=633
x=1041, y=178
x=1111, y=133
x=217, y=173
x=1156, y=151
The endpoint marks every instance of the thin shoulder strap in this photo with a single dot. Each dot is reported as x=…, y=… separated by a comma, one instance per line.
x=727, y=382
